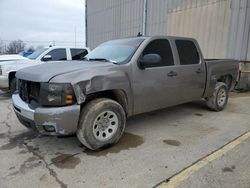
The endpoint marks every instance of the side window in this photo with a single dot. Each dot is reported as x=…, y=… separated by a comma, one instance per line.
x=161, y=47
x=58, y=54
x=78, y=54
x=188, y=52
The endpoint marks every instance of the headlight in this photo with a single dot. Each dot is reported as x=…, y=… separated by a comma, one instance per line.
x=56, y=94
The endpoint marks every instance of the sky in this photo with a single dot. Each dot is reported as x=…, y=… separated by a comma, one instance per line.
x=40, y=22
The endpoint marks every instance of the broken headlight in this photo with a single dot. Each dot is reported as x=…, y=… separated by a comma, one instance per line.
x=56, y=94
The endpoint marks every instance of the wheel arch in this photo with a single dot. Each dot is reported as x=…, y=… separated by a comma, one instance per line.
x=227, y=79
x=117, y=95
x=11, y=75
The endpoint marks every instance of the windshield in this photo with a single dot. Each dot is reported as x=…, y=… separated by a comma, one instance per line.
x=116, y=51
x=37, y=53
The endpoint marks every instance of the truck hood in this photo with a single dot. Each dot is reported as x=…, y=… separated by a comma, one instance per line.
x=45, y=72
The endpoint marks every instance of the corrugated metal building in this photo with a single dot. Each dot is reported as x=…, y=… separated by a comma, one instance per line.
x=220, y=26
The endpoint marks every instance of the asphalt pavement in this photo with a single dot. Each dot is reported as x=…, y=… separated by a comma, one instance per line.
x=156, y=148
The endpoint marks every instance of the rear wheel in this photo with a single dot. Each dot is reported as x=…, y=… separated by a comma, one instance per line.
x=218, y=100
x=101, y=124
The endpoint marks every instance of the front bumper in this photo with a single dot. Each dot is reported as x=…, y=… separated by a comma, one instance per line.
x=4, y=82
x=47, y=121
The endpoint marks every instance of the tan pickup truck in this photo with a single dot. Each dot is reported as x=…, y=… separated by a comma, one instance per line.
x=118, y=79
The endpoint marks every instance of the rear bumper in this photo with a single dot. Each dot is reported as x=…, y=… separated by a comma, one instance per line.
x=47, y=121
x=4, y=82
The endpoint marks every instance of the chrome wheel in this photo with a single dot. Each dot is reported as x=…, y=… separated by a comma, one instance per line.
x=221, y=97
x=105, y=125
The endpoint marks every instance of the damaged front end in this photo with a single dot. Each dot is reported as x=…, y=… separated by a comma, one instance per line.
x=79, y=92
x=49, y=108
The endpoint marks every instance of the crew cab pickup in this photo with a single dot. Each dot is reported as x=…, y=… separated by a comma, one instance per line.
x=120, y=78
x=55, y=53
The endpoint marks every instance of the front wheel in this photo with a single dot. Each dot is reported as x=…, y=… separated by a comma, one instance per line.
x=101, y=124
x=219, y=99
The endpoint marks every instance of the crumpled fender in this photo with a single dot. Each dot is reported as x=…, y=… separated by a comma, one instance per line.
x=89, y=81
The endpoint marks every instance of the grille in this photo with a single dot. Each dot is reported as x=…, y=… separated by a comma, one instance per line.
x=29, y=91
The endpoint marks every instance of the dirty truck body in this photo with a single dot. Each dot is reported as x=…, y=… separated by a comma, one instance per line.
x=119, y=79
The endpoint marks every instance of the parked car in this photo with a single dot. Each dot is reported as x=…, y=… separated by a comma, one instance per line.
x=120, y=78
x=11, y=57
x=25, y=53
x=40, y=56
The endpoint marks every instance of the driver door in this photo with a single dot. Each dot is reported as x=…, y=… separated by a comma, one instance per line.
x=157, y=85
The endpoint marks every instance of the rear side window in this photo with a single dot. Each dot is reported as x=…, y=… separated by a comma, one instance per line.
x=162, y=48
x=58, y=54
x=78, y=54
x=188, y=52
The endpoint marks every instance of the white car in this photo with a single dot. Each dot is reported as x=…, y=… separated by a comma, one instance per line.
x=12, y=57
x=56, y=53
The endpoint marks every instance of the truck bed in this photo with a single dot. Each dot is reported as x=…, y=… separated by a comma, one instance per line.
x=217, y=68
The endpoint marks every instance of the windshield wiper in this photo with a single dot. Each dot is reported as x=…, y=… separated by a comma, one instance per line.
x=102, y=59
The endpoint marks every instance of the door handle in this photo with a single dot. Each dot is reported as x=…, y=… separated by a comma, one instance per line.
x=198, y=71
x=172, y=73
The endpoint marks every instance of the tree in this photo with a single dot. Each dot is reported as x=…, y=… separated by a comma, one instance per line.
x=1, y=47
x=39, y=47
x=30, y=49
x=15, y=47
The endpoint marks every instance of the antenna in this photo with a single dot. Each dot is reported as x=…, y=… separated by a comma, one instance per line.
x=75, y=36
x=139, y=34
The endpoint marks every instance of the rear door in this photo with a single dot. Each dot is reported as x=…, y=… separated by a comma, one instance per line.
x=156, y=86
x=191, y=71
x=78, y=54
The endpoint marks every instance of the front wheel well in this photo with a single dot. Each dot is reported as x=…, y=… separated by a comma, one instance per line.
x=11, y=76
x=116, y=95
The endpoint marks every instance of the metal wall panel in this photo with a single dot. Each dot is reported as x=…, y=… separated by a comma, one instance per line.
x=239, y=30
x=247, y=32
x=248, y=50
x=109, y=19
x=156, y=17
x=220, y=26
x=207, y=22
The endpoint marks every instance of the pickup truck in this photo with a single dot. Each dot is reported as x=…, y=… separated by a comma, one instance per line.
x=55, y=53
x=119, y=79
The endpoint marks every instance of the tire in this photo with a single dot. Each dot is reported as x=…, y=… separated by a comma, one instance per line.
x=12, y=85
x=104, y=116
x=218, y=101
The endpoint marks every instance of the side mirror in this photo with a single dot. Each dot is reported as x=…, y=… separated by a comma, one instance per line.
x=149, y=60
x=47, y=58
